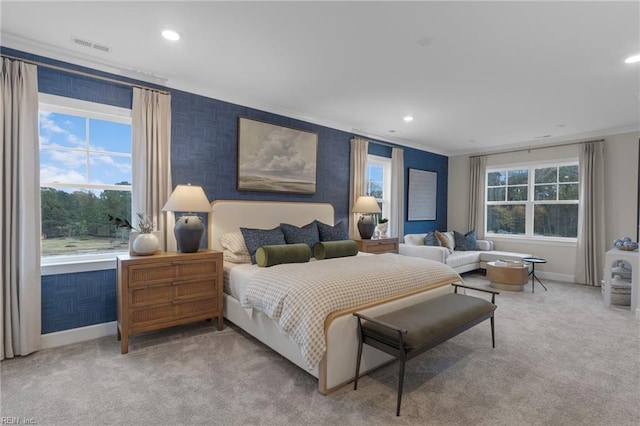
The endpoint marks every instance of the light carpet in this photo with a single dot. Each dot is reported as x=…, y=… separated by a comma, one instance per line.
x=561, y=358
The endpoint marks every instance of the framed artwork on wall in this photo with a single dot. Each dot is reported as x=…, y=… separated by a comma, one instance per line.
x=423, y=191
x=276, y=158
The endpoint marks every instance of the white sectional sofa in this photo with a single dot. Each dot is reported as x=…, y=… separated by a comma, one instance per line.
x=461, y=261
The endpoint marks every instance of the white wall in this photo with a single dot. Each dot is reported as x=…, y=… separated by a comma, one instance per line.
x=621, y=195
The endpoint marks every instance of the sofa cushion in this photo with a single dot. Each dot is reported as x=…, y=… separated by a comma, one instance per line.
x=492, y=256
x=462, y=258
x=465, y=242
x=447, y=240
x=415, y=239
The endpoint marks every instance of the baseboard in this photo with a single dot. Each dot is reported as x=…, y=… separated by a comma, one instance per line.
x=75, y=335
x=555, y=276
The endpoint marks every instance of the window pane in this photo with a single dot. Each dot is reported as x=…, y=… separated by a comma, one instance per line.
x=496, y=178
x=518, y=177
x=546, y=192
x=109, y=136
x=75, y=221
x=517, y=193
x=374, y=180
x=62, y=130
x=556, y=220
x=569, y=191
x=546, y=175
x=109, y=169
x=569, y=173
x=496, y=194
x=62, y=166
x=506, y=219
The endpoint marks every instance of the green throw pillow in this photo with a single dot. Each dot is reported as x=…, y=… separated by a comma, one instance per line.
x=331, y=249
x=282, y=253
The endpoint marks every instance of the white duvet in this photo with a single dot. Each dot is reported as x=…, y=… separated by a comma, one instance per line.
x=300, y=296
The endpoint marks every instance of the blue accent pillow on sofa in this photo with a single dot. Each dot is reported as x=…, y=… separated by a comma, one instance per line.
x=431, y=240
x=256, y=238
x=308, y=234
x=466, y=242
x=338, y=232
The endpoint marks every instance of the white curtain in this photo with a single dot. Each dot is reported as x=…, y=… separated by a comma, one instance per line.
x=591, y=243
x=20, y=304
x=476, y=194
x=397, y=193
x=357, y=172
x=151, y=127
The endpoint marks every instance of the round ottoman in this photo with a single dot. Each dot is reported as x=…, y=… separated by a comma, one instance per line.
x=509, y=278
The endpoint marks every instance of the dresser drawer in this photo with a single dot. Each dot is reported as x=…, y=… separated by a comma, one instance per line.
x=172, y=312
x=381, y=247
x=151, y=273
x=176, y=290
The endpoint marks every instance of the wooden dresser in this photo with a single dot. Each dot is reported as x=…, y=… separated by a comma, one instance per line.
x=378, y=245
x=167, y=289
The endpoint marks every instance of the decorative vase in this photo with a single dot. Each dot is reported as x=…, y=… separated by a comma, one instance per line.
x=383, y=228
x=146, y=244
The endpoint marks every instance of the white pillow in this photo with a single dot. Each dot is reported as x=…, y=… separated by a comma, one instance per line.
x=229, y=256
x=415, y=239
x=235, y=250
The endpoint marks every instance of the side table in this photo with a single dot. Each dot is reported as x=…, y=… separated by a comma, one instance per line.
x=533, y=261
x=378, y=245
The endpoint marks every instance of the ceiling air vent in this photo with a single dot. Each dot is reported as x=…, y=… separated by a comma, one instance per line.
x=90, y=44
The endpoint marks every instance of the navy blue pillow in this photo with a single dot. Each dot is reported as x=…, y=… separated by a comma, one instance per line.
x=338, y=232
x=308, y=234
x=466, y=242
x=256, y=238
x=431, y=240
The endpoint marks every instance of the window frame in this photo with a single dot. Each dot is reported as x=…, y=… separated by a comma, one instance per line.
x=52, y=265
x=530, y=203
x=385, y=163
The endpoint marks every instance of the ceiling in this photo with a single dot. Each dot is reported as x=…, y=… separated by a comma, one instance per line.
x=476, y=76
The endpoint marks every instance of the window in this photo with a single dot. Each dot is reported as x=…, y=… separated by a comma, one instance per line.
x=533, y=201
x=378, y=182
x=85, y=174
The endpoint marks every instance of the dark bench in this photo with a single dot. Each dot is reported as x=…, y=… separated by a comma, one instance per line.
x=412, y=330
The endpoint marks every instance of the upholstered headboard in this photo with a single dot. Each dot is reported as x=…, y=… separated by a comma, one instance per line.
x=230, y=215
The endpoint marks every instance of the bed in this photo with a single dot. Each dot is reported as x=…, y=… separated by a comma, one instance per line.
x=337, y=362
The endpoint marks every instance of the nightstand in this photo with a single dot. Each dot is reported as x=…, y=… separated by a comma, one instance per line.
x=378, y=245
x=167, y=289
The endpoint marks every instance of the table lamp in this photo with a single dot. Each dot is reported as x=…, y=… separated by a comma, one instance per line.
x=189, y=227
x=367, y=205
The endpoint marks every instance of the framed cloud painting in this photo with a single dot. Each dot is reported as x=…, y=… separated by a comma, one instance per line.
x=276, y=158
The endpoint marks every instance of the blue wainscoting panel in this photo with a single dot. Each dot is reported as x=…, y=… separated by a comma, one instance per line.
x=78, y=300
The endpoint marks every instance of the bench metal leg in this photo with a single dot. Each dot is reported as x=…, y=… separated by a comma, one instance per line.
x=355, y=382
x=400, y=382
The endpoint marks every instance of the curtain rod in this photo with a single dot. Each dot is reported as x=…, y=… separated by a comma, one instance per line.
x=534, y=148
x=85, y=74
x=389, y=144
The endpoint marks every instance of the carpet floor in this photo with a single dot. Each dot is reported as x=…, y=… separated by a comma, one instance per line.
x=561, y=358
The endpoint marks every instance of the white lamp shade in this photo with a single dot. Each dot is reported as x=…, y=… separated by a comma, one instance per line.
x=188, y=198
x=366, y=204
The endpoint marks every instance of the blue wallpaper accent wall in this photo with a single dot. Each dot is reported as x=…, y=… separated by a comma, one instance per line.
x=204, y=152
x=78, y=300
x=416, y=159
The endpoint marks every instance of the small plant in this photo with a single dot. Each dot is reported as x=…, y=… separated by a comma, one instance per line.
x=144, y=223
x=382, y=220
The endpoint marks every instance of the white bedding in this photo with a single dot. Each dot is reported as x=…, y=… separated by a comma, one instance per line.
x=299, y=297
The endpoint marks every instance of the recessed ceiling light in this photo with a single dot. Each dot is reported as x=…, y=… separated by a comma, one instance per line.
x=408, y=118
x=171, y=35
x=632, y=59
